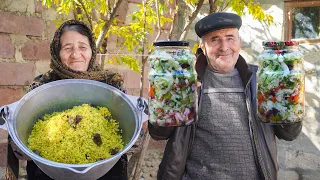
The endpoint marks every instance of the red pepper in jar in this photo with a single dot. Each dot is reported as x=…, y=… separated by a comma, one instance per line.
x=260, y=97
x=151, y=92
x=159, y=110
x=294, y=99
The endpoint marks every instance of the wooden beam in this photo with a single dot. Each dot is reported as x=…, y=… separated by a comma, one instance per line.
x=288, y=6
x=290, y=19
x=301, y=3
x=286, y=23
x=307, y=41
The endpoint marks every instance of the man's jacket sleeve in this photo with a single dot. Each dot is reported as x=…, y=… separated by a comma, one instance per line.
x=160, y=133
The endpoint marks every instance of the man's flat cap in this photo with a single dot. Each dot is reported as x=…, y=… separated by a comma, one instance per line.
x=217, y=21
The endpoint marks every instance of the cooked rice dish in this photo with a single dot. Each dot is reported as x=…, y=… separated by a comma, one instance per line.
x=83, y=134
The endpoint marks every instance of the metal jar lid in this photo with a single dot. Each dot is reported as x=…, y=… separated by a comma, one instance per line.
x=171, y=43
x=279, y=44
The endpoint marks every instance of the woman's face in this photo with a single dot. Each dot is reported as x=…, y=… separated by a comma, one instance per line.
x=75, y=50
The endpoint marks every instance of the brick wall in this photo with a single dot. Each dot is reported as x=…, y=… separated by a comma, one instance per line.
x=24, y=40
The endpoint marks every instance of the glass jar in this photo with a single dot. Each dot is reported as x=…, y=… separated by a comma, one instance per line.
x=281, y=81
x=172, y=84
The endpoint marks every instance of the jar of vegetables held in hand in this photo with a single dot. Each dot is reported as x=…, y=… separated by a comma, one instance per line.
x=281, y=81
x=172, y=84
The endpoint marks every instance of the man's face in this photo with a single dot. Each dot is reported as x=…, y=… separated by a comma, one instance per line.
x=222, y=49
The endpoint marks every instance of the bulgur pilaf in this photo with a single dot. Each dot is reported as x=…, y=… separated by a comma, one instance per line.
x=83, y=134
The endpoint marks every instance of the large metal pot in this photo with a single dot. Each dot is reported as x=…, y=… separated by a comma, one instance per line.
x=21, y=116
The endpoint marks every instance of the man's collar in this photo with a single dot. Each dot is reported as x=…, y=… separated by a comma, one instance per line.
x=243, y=69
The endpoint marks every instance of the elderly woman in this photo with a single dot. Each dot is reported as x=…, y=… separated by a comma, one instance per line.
x=73, y=54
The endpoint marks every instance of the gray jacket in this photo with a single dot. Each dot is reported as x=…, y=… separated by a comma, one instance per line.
x=180, y=139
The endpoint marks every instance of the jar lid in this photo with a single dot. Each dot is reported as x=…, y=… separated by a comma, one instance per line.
x=279, y=43
x=171, y=43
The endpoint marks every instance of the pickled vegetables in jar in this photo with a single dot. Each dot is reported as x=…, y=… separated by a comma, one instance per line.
x=172, y=84
x=280, y=93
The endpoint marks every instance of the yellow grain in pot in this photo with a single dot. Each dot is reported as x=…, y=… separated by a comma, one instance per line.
x=83, y=134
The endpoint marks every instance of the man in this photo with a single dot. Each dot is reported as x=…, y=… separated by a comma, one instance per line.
x=227, y=141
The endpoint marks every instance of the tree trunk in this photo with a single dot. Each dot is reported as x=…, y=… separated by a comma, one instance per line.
x=141, y=157
x=132, y=164
x=103, y=52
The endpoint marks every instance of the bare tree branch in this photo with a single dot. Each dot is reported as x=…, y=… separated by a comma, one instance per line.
x=87, y=14
x=143, y=61
x=76, y=10
x=158, y=20
x=108, y=5
x=226, y=5
x=174, y=21
x=190, y=20
x=75, y=14
x=222, y=5
x=108, y=23
x=213, y=6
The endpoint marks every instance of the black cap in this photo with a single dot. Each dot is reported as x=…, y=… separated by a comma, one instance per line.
x=217, y=21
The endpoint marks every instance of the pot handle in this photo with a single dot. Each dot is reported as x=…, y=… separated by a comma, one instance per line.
x=141, y=106
x=5, y=114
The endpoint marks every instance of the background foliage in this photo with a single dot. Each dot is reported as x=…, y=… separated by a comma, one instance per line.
x=146, y=24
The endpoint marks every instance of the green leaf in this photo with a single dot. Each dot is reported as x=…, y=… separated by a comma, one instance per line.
x=131, y=62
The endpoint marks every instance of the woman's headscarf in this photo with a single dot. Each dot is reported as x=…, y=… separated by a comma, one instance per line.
x=93, y=73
